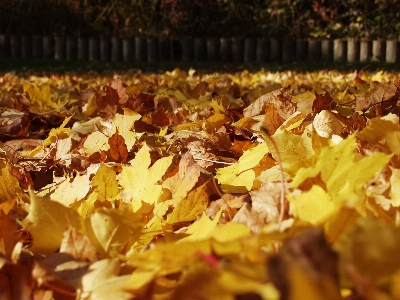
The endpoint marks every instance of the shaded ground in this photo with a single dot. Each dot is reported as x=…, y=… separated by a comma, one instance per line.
x=35, y=66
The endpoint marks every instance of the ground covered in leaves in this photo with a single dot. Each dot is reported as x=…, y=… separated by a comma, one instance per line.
x=200, y=186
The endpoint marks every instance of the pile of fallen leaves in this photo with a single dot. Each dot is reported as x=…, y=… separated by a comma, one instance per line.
x=200, y=186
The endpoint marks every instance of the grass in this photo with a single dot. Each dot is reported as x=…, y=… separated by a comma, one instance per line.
x=25, y=67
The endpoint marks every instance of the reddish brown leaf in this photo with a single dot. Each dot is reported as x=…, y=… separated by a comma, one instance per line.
x=141, y=103
x=160, y=117
x=107, y=104
x=118, y=151
x=323, y=102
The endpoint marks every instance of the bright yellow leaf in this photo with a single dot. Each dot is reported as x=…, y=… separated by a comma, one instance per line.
x=95, y=142
x=105, y=181
x=140, y=181
x=190, y=207
x=201, y=229
x=296, y=151
x=314, y=206
x=239, y=177
x=383, y=132
x=344, y=177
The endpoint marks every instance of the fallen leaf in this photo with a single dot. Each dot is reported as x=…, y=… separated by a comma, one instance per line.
x=139, y=179
x=118, y=151
x=190, y=207
x=47, y=221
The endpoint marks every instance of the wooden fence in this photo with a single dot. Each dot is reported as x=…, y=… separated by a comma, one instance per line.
x=236, y=50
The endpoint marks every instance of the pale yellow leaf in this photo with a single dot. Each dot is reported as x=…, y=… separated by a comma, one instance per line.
x=72, y=189
x=47, y=221
x=112, y=231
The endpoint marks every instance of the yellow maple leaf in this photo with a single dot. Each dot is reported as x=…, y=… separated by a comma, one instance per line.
x=47, y=221
x=40, y=96
x=395, y=187
x=124, y=124
x=140, y=181
x=95, y=142
x=384, y=132
x=70, y=191
x=105, y=181
x=314, y=206
x=185, y=179
x=343, y=175
x=201, y=229
x=191, y=206
x=53, y=136
x=112, y=231
x=239, y=177
x=9, y=185
x=296, y=151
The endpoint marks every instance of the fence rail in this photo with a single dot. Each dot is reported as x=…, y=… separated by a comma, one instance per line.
x=247, y=50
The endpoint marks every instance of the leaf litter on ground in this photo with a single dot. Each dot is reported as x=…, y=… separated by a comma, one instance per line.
x=165, y=186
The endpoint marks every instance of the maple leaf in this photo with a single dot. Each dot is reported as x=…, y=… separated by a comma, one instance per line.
x=191, y=206
x=71, y=190
x=382, y=132
x=46, y=222
x=335, y=163
x=9, y=186
x=239, y=177
x=296, y=151
x=139, y=179
x=385, y=93
x=185, y=179
x=118, y=151
x=112, y=231
x=8, y=235
x=105, y=182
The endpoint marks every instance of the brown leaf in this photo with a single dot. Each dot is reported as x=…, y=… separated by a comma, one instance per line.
x=272, y=119
x=13, y=125
x=387, y=92
x=118, y=151
x=107, y=104
x=141, y=103
x=284, y=108
x=159, y=117
x=119, y=87
x=8, y=234
x=323, y=102
x=309, y=258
